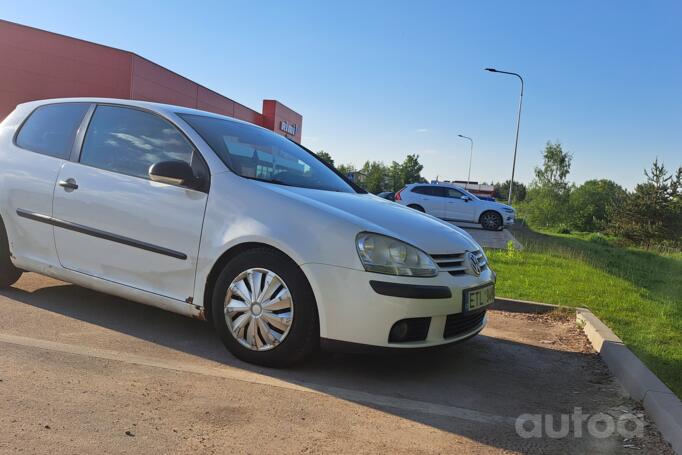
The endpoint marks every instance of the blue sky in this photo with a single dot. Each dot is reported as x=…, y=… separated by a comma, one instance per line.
x=378, y=80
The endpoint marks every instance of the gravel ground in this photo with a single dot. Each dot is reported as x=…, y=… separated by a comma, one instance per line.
x=81, y=372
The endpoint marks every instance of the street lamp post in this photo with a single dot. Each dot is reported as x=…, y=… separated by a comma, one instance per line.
x=471, y=155
x=518, y=126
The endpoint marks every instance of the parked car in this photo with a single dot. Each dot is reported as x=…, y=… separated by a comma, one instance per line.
x=218, y=219
x=390, y=195
x=454, y=203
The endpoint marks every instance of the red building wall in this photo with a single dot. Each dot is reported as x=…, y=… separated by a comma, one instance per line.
x=36, y=64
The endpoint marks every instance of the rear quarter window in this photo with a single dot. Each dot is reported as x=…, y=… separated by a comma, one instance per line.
x=423, y=190
x=51, y=129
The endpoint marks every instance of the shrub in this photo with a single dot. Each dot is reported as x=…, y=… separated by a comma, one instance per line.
x=651, y=216
x=588, y=204
x=563, y=229
x=546, y=207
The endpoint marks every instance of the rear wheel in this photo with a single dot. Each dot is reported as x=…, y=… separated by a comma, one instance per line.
x=419, y=208
x=491, y=221
x=264, y=309
x=8, y=273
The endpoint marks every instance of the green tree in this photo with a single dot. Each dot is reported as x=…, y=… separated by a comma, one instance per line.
x=411, y=170
x=590, y=201
x=518, y=195
x=652, y=214
x=325, y=157
x=395, y=176
x=547, y=198
x=376, y=175
x=556, y=165
x=346, y=169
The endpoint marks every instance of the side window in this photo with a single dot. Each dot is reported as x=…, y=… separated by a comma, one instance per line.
x=129, y=141
x=51, y=129
x=439, y=191
x=426, y=190
x=453, y=193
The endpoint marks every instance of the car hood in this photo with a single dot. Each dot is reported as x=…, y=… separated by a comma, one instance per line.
x=372, y=213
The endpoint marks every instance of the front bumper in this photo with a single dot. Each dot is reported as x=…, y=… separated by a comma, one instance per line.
x=352, y=311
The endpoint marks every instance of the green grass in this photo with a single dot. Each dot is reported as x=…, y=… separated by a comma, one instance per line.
x=637, y=293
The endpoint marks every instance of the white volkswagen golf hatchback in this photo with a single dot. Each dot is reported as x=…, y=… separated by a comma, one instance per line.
x=222, y=220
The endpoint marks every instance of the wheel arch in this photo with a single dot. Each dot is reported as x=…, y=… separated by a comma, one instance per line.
x=220, y=263
x=3, y=231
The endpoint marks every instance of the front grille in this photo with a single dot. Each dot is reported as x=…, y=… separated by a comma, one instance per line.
x=459, y=324
x=455, y=264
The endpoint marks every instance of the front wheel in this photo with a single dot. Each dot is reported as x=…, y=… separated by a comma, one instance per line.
x=8, y=273
x=264, y=309
x=491, y=221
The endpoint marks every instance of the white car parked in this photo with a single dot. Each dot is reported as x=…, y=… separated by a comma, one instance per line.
x=219, y=219
x=453, y=203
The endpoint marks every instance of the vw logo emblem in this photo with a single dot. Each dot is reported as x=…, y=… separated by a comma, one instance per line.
x=473, y=263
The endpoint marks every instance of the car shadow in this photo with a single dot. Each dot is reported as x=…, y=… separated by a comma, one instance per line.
x=486, y=375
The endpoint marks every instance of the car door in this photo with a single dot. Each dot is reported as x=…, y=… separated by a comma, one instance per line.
x=113, y=222
x=458, y=206
x=428, y=198
x=29, y=168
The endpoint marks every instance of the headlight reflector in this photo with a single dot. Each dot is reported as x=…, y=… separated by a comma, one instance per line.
x=382, y=254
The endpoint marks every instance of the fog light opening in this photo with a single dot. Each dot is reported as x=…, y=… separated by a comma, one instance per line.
x=415, y=329
x=399, y=331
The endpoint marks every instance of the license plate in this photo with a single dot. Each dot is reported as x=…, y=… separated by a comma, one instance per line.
x=479, y=297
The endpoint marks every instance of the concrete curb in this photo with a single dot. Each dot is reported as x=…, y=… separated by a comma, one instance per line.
x=664, y=407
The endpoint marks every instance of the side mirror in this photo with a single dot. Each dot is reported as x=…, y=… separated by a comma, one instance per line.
x=173, y=173
x=466, y=198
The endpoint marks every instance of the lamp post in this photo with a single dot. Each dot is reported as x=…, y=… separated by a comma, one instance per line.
x=471, y=155
x=518, y=126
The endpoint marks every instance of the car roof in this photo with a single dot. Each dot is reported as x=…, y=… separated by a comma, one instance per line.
x=447, y=185
x=161, y=108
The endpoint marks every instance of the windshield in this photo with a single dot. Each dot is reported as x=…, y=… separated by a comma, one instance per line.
x=255, y=153
x=471, y=195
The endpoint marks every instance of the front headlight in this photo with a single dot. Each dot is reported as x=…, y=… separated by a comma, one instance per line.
x=382, y=254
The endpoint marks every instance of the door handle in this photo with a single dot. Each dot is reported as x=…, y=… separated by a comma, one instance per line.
x=68, y=184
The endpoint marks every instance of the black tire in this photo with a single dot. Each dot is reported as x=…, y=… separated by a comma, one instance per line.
x=418, y=208
x=8, y=273
x=303, y=337
x=491, y=221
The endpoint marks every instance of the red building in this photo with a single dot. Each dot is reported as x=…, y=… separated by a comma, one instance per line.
x=36, y=64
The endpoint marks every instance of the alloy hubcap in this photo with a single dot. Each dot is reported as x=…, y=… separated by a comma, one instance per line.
x=259, y=309
x=490, y=220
